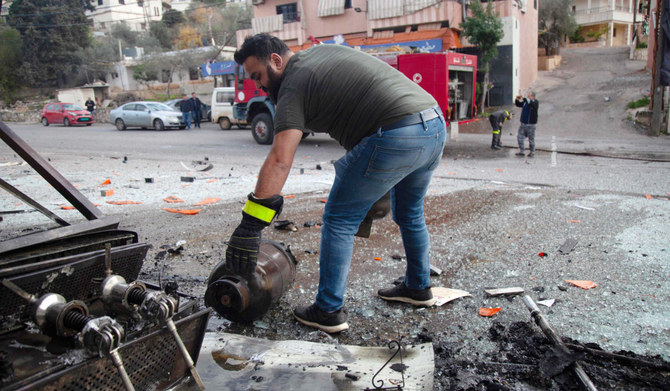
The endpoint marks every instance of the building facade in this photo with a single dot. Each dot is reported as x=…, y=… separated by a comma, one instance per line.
x=611, y=21
x=136, y=14
x=401, y=25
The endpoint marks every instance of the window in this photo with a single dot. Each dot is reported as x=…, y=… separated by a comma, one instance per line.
x=122, y=2
x=347, y=4
x=129, y=107
x=614, y=32
x=101, y=2
x=157, y=11
x=193, y=73
x=535, y=4
x=290, y=12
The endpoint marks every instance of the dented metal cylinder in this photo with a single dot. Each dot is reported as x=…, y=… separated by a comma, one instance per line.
x=244, y=299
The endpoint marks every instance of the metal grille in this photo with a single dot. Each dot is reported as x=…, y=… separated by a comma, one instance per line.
x=74, y=280
x=153, y=362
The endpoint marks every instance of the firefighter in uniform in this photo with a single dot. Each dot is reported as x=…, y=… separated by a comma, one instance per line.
x=497, y=120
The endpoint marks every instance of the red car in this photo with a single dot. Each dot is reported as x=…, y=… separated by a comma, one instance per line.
x=66, y=114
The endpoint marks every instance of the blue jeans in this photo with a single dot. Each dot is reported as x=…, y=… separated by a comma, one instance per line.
x=401, y=160
x=187, y=119
x=526, y=130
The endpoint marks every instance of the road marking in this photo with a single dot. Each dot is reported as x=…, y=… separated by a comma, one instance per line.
x=553, y=151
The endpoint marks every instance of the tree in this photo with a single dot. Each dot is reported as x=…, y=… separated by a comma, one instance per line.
x=98, y=59
x=555, y=21
x=11, y=56
x=123, y=32
x=162, y=33
x=52, y=32
x=172, y=18
x=168, y=63
x=484, y=30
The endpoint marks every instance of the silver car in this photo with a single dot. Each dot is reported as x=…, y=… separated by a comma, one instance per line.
x=146, y=114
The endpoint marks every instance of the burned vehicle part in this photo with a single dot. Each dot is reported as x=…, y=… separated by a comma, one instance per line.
x=242, y=299
x=377, y=211
x=57, y=332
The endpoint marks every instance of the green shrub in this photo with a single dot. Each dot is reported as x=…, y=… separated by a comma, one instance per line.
x=641, y=45
x=639, y=103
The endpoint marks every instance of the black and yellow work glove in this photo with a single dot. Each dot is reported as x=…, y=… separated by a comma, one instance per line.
x=242, y=251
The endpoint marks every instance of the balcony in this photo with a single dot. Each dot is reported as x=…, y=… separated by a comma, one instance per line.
x=599, y=15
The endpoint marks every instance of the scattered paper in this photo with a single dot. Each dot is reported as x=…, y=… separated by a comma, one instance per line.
x=123, y=202
x=173, y=199
x=584, y=284
x=488, y=311
x=207, y=201
x=445, y=295
x=546, y=303
x=183, y=211
x=583, y=207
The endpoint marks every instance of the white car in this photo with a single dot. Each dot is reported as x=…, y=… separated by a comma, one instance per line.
x=146, y=114
x=223, y=100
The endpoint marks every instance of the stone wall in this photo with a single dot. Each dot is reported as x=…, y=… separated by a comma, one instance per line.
x=548, y=63
x=33, y=116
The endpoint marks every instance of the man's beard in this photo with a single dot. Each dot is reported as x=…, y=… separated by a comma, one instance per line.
x=274, y=80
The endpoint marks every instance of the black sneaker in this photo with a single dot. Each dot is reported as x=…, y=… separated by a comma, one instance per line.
x=520, y=154
x=313, y=316
x=400, y=292
x=531, y=154
x=495, y=147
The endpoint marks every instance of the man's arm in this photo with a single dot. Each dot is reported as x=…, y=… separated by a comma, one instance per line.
x=278, y=163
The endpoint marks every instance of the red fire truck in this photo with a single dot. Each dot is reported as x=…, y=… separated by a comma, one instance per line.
x=449, y=77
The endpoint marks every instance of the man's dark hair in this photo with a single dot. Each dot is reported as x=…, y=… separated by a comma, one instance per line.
x=261, y=46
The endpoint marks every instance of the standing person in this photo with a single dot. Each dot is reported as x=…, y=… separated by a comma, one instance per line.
x=497, y=119
x=394, y=134
x=528, y=121
x=90, y=105
x=197, y=109
x=186, y=109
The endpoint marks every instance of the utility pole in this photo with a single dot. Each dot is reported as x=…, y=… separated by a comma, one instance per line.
x=657, y=90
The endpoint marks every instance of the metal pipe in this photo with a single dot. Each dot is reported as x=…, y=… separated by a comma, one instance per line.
x=184, y=352
x=556, y=341
x=118, y=362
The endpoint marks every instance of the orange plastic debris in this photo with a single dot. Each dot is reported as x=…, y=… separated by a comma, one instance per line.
x=574, y=221
x=499, y=169
x=377, y=259
x=290, y=196
x=183, y=211
x=107, y=193
x=207, y=201
x=67, y=207
x=173, y=199
x=324, y=200
x=584, y=284
x=106, y=182
x=649, y=197
x=212, y=180
x=488, y=311
x=123, y=202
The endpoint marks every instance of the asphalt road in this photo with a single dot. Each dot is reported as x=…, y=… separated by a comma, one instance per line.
x=596, y=179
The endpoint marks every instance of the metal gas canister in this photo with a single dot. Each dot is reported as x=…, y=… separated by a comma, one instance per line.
x=244, y=299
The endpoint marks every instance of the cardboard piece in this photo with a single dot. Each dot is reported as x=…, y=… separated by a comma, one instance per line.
x=445, y=295
x=504, y=291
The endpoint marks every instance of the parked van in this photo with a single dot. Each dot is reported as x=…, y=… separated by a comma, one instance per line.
x=223, y=99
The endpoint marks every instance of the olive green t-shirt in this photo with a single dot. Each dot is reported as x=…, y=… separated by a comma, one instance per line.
x=344, y=92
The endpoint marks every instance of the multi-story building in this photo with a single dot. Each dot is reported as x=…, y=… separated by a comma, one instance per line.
x=395, y=25
x=137, y=14
x=611, y=20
